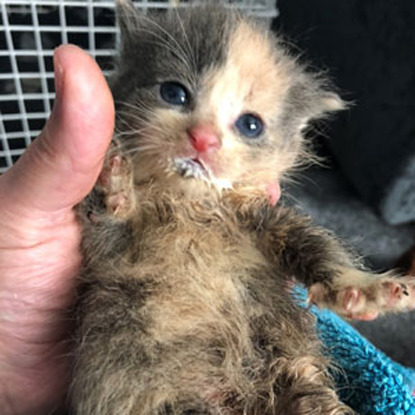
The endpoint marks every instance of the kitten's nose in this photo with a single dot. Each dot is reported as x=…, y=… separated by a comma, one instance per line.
x=204, y=138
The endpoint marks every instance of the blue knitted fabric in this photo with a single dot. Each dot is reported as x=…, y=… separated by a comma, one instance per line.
x=369, y=382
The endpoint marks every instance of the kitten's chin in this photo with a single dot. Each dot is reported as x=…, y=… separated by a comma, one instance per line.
x=196, y=169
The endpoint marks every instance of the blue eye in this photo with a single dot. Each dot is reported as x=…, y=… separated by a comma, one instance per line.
x=249, y=125
x=174, y=93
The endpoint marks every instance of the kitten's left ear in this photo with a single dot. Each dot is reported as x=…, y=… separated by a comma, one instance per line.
x=311, y=98
x=325, y=103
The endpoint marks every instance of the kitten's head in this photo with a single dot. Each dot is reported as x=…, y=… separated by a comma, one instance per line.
x=205, y=95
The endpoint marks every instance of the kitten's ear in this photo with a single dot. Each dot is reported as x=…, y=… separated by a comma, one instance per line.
x=128, y=18
x=312, y=98
x=325, y=103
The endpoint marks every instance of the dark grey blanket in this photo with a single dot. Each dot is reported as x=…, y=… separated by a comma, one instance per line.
x=368, y=47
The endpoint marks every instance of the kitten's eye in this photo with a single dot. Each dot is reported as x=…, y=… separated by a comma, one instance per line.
x=174, y=93
x=249, y=125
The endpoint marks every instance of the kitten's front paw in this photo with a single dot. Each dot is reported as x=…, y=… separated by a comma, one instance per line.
x=364, y=296
x=116, y=182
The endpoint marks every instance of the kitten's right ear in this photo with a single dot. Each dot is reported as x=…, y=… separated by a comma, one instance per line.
x=128, y=18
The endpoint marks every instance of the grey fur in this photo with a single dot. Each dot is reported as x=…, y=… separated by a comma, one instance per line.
x=179, y=45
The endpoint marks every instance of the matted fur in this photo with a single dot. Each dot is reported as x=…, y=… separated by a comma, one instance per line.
x=184, y=303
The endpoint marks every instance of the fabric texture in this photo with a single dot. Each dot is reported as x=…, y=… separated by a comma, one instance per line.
x=367, y=46
x=367, y=380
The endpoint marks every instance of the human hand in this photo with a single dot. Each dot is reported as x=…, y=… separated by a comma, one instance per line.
x=39, y=236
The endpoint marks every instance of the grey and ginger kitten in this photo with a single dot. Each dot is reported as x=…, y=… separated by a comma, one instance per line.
x=184, y=301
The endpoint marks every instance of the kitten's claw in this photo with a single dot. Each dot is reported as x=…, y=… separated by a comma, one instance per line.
x=92, y=217
x=117, y=203
x=367, y=297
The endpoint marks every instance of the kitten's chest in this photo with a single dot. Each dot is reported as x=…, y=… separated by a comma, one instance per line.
x=197, y=237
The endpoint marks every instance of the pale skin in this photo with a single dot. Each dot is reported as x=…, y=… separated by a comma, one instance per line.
x=39, y=236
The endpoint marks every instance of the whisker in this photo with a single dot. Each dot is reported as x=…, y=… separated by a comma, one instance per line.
x=189, y=47
x=174, y=48
x=163, y=30
x=142, y=149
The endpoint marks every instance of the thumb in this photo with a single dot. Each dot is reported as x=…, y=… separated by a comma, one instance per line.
x=61, y=166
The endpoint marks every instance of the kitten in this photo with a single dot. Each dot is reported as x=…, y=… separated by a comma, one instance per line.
x=184, y=302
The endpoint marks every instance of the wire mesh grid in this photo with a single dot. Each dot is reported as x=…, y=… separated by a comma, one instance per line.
x=29, y=32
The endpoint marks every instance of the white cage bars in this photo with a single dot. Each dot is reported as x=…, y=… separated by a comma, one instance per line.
x=30, y=30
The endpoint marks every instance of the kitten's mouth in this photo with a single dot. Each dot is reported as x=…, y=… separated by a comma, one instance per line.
x=191, y=168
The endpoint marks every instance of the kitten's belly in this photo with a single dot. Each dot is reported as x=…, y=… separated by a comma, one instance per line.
x=203, y=284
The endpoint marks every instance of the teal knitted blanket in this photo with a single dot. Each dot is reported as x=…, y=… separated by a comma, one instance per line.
x=368, y=381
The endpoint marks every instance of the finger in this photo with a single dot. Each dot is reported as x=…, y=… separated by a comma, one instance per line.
x=63, y=163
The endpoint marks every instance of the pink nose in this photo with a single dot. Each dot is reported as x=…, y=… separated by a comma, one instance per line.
x=204, y=138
